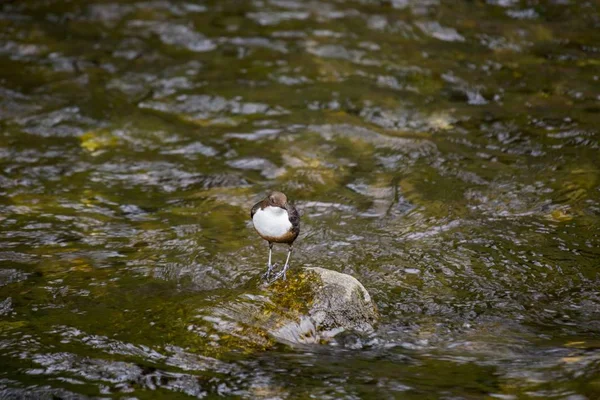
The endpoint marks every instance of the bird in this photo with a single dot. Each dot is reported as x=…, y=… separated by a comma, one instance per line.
x=276, y=221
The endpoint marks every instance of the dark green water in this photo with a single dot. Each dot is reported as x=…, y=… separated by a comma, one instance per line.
x=445, y=153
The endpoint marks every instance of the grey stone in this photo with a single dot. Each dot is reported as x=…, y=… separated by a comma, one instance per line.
x=342, y=302
x=312, y=306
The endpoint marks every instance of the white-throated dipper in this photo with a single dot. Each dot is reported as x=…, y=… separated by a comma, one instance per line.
x=276, y=221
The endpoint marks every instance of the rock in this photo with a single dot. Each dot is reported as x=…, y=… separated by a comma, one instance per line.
x=312, y=306
x=342, y=302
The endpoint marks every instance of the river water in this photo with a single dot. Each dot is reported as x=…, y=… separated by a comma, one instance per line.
x=445, y=153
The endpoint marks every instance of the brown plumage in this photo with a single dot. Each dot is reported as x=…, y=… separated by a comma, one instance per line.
x=276, y=221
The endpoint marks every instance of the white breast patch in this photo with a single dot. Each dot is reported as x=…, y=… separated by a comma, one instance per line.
x=272, y=221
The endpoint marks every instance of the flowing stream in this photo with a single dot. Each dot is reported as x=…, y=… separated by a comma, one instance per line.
x=445, y=153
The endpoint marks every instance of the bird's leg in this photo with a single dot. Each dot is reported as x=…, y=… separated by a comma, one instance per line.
x=285, y=267
x=269, y=265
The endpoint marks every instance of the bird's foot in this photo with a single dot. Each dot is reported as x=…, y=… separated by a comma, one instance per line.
x=267, y=274
x=280, y=274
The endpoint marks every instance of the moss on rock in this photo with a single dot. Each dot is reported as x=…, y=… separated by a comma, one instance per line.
x=311, y=306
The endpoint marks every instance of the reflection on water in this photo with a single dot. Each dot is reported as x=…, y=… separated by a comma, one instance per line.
x=444, y=153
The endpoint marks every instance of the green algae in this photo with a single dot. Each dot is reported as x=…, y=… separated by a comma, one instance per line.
x=294, y=295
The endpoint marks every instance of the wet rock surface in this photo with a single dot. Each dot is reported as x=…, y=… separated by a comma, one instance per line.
x=312, y=306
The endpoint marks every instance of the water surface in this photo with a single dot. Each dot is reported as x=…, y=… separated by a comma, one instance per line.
x=445, y=153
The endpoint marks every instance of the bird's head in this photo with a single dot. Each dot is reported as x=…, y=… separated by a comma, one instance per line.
x=277, y=199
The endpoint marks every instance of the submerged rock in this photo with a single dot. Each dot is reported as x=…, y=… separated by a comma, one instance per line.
x=312, y=306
